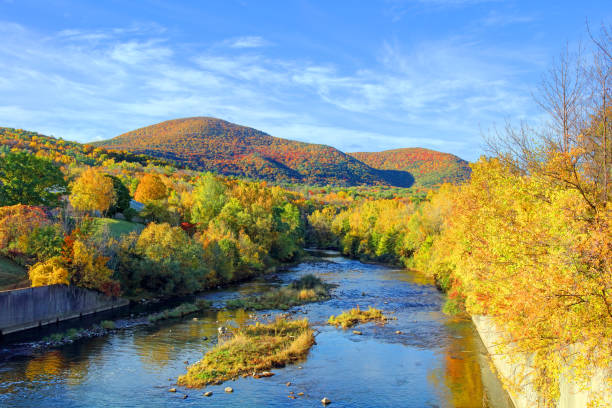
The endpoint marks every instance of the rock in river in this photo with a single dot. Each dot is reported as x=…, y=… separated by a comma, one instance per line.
x=326, y=401
x=229, y=389
x=208, y=393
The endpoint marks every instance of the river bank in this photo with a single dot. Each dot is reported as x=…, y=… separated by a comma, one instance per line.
x=516, y=370
x=435, y=361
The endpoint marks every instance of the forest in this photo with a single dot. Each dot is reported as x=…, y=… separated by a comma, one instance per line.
x=210, y=144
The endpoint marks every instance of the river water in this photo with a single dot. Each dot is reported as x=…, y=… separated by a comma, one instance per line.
x=436, y=361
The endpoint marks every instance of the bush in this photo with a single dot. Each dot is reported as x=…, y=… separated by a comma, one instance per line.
x=108, y=325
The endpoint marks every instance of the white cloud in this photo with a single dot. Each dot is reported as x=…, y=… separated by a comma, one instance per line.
x=432, y=95
x=135, y=53
x=248, y=42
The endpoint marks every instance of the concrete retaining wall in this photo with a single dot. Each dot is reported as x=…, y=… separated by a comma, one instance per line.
x=23, y=309
x=519, y=370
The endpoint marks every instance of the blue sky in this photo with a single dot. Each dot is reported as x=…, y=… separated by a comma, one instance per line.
x=358, y=75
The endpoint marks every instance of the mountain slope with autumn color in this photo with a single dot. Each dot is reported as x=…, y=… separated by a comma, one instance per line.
x=429, y=167
x=215, y=145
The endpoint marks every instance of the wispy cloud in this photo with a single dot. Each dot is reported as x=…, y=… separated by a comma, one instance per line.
x=397, y=9
x=431, y=95
x=248, y=42
x=496, y=18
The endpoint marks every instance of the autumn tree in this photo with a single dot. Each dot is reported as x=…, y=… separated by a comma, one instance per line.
x=208, y=199
x=50, y=272
x=574, y=149
x=92, y=191
x=150, y=188
x=81, y=263
x=18, y=221
x=531, y=255
x=162, y=260
x=30, y=180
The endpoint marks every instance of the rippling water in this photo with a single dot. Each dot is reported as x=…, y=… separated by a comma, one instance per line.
x=436, y=362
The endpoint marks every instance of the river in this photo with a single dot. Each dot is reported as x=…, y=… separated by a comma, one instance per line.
x=436, y=361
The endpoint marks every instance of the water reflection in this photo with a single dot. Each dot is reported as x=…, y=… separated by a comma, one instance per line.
x=436, y=361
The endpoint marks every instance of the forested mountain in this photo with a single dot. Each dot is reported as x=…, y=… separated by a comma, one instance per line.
x=222, y=147
x=216, y=145
x=429, y=167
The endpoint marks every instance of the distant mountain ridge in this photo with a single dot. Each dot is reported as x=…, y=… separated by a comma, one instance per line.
x=429, y=167
x=210, y=144
x=216, y=145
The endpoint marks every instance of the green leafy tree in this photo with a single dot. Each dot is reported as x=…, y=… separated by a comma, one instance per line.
x=30, y=180
x=208, y=199
x=122, y=196
x=42, y=243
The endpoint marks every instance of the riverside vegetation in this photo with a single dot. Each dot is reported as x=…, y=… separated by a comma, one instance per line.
x=181, y=310
x=308, y=288
x=357, y=316
x=251, y=350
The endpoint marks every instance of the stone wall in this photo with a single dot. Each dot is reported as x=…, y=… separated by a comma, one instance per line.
x=23, y=309
x=519, y=370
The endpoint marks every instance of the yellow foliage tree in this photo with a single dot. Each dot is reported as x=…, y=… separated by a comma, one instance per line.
x=150, y=188
x=90, y=270
x=534, y=257
x=92, y=191
x=49, y=272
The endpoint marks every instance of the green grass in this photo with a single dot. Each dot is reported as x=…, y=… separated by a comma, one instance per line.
x=108, y=325
x=356, y=316
x=70, y=334
x=181, y=310
x=116, y=228
x=305, y=290
x=12, y=275
x=253, y=349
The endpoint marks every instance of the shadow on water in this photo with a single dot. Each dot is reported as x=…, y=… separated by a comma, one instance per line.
x=435, y=361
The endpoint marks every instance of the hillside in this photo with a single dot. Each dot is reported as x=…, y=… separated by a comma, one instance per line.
x=225, y=148
x=215, y=145
x=429, y=167
x=67, y=152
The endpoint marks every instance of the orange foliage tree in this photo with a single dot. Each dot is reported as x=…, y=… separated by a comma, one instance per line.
x=150, y=188
x=17, y=220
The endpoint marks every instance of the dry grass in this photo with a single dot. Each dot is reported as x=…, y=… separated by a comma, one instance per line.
x=356, y=316
x=253, y=349
x=305, y=290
